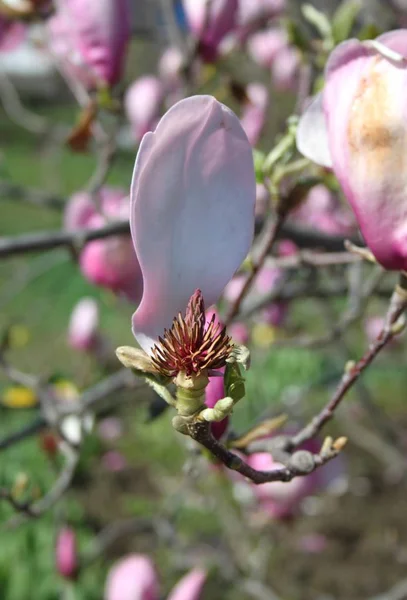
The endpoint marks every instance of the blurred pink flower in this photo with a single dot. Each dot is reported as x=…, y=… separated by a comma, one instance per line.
x=280, y=499
x=262, y=199
x=114, y=461
x=132, y=578
x=135, y=578
x=357, y=126
x=239, y=332
x=169, y=67
x=12, y=33
x=84, y=324
x=108, y=262
x=92, y=38
x=66, y=557
x=253, y=12
x=209, y=23
x=264, y=46
x=284, y=69
x=322, y=210
x=142, y=104
x=110, y=429
x=192, y=210
x=253, y=117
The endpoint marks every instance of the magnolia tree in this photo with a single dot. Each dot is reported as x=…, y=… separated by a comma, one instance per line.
x=268, y=177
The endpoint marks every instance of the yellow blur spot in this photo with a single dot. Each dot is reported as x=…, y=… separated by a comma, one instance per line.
x=66, y=390
x=263, y=335
x=19, y=397
x=19, y=336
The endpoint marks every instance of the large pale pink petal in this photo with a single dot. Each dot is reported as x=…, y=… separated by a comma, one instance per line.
x=190, y=586
x=192, y=212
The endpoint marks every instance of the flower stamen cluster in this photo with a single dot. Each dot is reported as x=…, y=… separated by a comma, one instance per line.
x=192, y=345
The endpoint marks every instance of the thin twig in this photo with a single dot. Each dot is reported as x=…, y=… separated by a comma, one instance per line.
x=398, y=304
x=271, y=237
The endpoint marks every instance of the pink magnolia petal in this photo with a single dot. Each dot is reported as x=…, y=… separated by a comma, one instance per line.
x=312, y=134
x=190, y=586
x=192, y=212
x=132, y=578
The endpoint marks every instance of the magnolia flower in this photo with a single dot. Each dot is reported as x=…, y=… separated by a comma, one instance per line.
x=209, y=23
x=66, y=556
x=91, y=38
x=134, y=578
x=84, y=324
x=356, y=126
x=192, y=222
x=109, y=262
x=254, y=112
x=142, y=104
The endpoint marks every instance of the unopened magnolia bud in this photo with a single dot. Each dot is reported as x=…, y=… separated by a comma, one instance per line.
x=221, y=410
x=399, y=325
x=66, y=553
x=326, y=446
x=350, y=365
x=135, y=358
x=340, y=443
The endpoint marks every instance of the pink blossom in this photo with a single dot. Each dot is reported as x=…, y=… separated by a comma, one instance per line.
x=322, y=210
x=83, y=325
x=252, y=12
x=142, y=104
x=92, y=37
x=132, y=578
x=254, y=112
x=357, y=127
x=110, y=429
x=239, y=332
x=169, y=67
x=192, y=210
x=210, y=22
x=190, y=586
x=264, y=46
x=280, y=499
x=135, y=578
x=12, y=33
x=262, y=199
x=284, y=69
x=66, y=553
x=114, y=461
x=107, y=262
